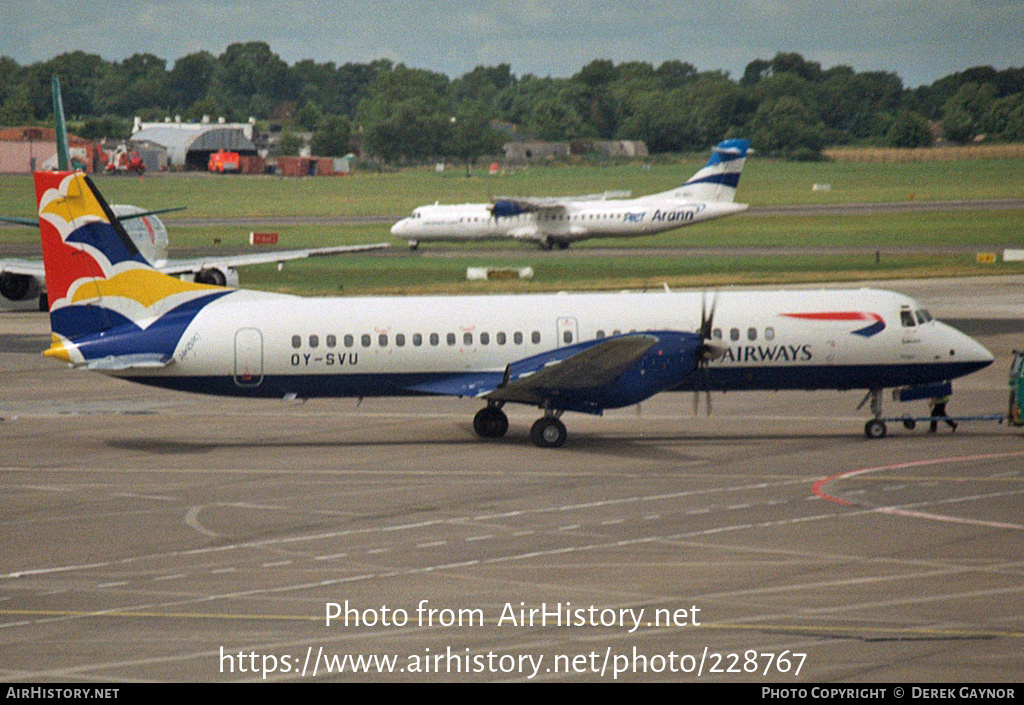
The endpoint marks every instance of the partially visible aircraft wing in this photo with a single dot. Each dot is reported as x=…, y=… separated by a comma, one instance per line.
x=187, y=266
x=34, y=222
x=25, y=267
x=543, y=203
x=19, y=273
x=31, y=222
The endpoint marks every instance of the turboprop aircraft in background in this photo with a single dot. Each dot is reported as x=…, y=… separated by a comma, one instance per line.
x=112, y=312
x=24, y=279
x=557, y=222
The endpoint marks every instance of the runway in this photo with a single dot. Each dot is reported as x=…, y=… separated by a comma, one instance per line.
x=150, y=535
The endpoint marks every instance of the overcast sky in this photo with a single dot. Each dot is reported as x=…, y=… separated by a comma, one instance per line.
x=920, y=40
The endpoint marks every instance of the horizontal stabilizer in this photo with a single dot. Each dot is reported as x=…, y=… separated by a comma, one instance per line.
x=130, y=362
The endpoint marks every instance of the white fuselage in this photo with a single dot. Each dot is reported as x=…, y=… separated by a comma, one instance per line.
x=274, y=345
x=575, y=221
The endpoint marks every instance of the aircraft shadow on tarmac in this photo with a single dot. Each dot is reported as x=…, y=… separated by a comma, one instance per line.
x=660, y=446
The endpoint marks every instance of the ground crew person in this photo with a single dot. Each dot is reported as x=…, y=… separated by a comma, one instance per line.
x=939, y=412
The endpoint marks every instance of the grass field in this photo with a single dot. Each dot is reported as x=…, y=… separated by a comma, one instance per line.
x=764, y=182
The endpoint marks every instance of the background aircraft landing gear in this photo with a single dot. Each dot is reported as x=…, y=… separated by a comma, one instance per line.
x=490, y=422
x=548, y=432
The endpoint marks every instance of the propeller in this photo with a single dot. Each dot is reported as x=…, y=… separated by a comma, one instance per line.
x=709, y=350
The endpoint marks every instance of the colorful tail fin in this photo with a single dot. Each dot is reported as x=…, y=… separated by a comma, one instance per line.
x=717, y=180
x=106, y=301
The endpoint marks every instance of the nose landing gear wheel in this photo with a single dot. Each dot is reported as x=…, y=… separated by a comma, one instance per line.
x=490, y=422
x=875, y=428
x=548, y=433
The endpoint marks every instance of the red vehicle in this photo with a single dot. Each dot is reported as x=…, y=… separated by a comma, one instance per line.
x=222, y=162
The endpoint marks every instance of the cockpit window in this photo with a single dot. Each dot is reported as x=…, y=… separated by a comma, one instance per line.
x=923, y=316
x=907, y=319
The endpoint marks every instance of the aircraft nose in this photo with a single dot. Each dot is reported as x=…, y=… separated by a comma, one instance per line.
x=967, y=349
x=399, y=228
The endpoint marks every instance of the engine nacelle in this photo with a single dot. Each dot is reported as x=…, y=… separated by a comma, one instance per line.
x=18, y=287
x=217, y=276
x=505, y=209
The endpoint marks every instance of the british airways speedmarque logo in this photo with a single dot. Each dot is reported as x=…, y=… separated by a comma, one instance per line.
x=877, y=325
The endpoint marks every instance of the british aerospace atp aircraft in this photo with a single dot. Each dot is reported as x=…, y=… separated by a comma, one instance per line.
x=557, y=222
x=113, y=312
x=23, y=280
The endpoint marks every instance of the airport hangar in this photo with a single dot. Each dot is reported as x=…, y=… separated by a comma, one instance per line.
x=186, y=145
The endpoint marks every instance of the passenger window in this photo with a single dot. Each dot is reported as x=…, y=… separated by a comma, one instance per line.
x=332, y=341
x=296, y=341
x=769, y=333
x=365, y=340
x=451, y=339
x=417, y=339
x=435, y=339
x=716, y=334
x=535, y=337
x=907, y=319
x=314, y=341
x=734, y=334
x=382, y=340
x=616, y=332
x=517, y=338
x=567, y=337
x=599, y=334
x=751, y=333
x=485, y=338
x=400, y=340
x=349, y=341
x=467, y=338
x=500, y=338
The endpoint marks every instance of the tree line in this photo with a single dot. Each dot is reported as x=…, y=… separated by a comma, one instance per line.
x=788, y=106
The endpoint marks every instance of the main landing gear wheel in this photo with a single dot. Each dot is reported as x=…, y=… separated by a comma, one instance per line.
x=548, y=433
x=875, y=428
x=490, y=422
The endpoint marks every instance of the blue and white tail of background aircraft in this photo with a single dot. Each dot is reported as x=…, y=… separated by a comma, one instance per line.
x=557, y=222
x=717, y=180
x=112, y=312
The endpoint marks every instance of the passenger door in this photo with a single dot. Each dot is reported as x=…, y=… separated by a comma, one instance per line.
x=248, y=357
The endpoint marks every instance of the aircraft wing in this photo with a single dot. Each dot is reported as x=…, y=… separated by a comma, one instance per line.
x=186, y=266
x=506, y=206
x=595, y=363
x=31, y=268
x=530, y=203
x=578, y=367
